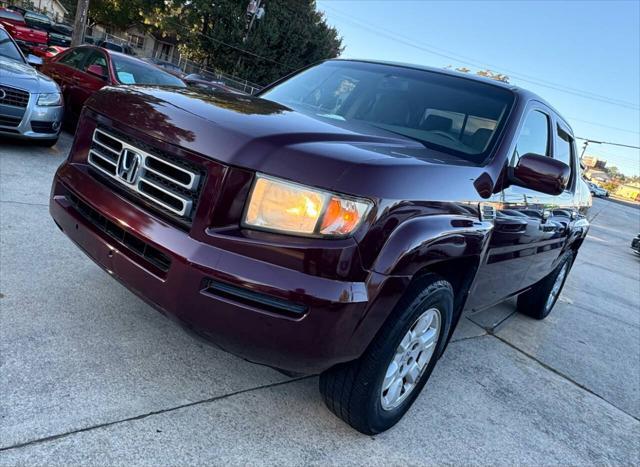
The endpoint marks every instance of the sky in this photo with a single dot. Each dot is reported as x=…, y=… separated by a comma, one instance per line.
x=581, y=56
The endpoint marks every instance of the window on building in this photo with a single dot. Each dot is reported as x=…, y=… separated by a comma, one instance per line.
x=136, y=40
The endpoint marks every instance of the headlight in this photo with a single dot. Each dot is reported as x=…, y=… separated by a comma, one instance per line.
x=288, y=207
x=50, y=99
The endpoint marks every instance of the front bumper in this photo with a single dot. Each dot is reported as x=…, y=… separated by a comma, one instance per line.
x=37, y=123
x=331, y=329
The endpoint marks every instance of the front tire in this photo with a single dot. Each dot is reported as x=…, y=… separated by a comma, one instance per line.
x=373, y=392
x=538, y=301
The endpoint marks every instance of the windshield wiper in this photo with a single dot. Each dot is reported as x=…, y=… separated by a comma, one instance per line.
x=421, y=141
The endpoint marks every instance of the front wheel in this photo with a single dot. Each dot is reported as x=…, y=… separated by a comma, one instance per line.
x=538, y=301
x=373, y=392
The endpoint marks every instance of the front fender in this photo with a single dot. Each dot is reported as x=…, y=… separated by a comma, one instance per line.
x=420, y=242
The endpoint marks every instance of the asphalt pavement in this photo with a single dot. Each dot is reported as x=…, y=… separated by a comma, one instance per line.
x=91, y=375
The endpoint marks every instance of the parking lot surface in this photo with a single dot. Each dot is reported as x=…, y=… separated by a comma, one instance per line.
x=90, y=374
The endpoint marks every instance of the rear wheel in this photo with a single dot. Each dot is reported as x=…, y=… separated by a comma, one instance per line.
x=373, y=392
x=538, y=301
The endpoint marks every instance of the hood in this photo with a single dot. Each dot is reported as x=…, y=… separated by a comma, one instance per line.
x=24, y=76
x=264, y=136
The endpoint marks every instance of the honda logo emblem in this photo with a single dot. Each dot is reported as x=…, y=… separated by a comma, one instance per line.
x=129, y=165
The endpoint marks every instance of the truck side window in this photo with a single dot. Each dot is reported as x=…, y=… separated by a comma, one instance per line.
x=563, y=149
x=534, y=136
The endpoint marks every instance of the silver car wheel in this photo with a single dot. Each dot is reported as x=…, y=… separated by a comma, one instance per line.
x=557, y=285
x=411, y=359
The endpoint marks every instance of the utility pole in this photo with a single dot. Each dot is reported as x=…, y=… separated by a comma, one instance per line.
x=586, y=143
x=82, y=10
x=255, y=12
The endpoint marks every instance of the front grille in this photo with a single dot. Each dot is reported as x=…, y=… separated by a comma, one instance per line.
x=42, y=127
x=5, y=120
x=13, y=97
x=171, y=186
x=137, y=246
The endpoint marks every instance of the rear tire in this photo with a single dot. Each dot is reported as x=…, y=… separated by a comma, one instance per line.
x=538, y=301
x=368, y=393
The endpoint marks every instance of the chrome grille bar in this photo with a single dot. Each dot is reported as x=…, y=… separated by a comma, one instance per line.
x=158, y=180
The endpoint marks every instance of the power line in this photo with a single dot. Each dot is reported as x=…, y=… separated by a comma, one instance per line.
x=607, y=142
x=378, y=30
x=604, y=126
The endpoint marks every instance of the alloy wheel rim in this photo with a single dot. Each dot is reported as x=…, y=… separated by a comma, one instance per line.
x=411, y=359
x=557, y=285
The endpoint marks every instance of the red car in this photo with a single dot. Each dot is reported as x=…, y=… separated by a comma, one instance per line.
x=27, y=38
x=81, y=71
x=48, y=53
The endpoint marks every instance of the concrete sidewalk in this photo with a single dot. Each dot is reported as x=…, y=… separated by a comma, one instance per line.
x=89, y=374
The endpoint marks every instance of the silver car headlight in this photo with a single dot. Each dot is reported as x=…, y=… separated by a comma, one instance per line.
x=50, y=99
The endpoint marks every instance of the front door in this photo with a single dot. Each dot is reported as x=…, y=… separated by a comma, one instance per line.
x=522, y=226
x=89, y=83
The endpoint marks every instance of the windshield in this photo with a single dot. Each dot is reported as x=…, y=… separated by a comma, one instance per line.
x=452, y=114
x=133, y=71
x=8, y=49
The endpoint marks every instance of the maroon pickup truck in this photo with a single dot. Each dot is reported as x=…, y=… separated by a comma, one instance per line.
x=27, y=38
x=340, y=222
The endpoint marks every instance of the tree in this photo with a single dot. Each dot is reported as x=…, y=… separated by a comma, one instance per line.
x=292, y=34
x=613, y=171
x=119, y=13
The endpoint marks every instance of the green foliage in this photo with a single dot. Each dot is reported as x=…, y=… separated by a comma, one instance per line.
x=290, y=35
x=118, y=13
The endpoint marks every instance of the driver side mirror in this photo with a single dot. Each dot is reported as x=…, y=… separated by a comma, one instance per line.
x=34, y=61
x=540, y=173
x=98, y=71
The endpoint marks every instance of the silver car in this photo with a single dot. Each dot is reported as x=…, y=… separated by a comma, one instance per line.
x=30, y=102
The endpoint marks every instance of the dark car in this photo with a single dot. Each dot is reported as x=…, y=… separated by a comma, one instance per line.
x=115, y=47
x=169, y=67
x=81, y=71
x=635, y=244
x=201, y=82
x=338, y=223
x=56, y=35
